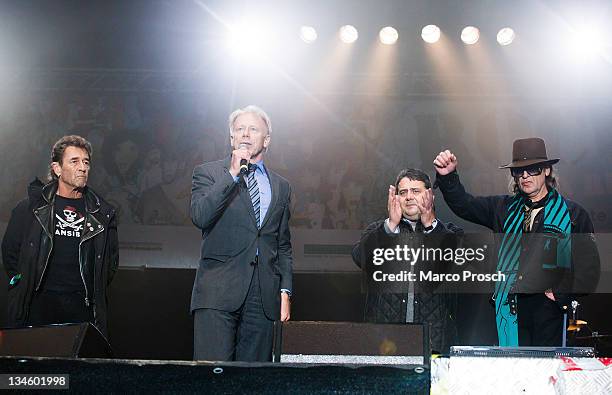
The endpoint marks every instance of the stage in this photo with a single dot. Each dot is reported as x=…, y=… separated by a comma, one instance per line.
x=150, y=85
x=454, y=375
x=119, y=375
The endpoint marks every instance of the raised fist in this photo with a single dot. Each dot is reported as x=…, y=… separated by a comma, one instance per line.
x=445, y=162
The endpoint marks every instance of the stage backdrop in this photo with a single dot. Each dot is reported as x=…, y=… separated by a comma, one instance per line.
x=339, y=151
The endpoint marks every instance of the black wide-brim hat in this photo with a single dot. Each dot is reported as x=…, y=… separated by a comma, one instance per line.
x=528, y=152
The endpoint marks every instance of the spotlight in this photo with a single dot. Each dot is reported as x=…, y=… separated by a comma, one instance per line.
x=348, y=34
x=430, y=34
x=587, y=42
x=505, y=36
x=308, y=34
x=388, y=35
x=470, y=35
x=248, y=37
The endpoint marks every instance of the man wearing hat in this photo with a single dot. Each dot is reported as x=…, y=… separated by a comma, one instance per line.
x=546, y=246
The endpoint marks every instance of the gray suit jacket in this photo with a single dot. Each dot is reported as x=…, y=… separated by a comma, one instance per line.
x=223, y=210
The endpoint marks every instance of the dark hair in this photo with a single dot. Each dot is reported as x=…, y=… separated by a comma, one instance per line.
x=57, y=152
x=550, y=180
x=413, y=174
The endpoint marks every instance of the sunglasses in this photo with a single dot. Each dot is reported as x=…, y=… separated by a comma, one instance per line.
x=532, y=171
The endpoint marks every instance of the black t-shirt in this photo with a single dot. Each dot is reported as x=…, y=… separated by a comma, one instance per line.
x=63, y=270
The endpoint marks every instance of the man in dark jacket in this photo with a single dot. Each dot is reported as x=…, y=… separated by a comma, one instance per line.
x=412, y=216
x=546, y=246
x=60, y=249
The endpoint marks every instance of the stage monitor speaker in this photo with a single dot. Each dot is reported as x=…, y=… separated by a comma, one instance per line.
x=64, y=341
x=350, y=342
x=522, y=352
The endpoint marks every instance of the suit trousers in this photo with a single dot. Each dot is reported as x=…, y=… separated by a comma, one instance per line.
x=241, y=335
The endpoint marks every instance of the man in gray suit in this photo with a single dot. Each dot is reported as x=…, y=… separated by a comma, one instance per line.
x=243, y=283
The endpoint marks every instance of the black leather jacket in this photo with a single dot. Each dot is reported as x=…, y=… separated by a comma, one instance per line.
x=28, y=243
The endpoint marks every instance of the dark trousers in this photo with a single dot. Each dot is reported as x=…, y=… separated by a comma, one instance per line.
x=53, y=307
x=242, y=335
x=540, y=321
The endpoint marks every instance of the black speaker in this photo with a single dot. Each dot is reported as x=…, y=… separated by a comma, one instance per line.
x=64, y=341
x=351, y=342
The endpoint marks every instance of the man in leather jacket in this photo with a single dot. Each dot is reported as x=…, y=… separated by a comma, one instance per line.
x=60, y=249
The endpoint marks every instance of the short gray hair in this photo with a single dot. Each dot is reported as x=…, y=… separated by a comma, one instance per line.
x=253, y=110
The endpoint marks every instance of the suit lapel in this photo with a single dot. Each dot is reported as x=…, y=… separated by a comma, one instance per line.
x=275, y=187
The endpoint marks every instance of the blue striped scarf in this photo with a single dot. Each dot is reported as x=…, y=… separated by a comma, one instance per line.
x=557, y=221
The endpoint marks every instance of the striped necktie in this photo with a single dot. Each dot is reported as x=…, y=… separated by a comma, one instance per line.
x=527, y=219
x=254, y=192
x=528, y=210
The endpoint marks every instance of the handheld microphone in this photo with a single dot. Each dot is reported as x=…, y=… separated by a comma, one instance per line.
x=244, y=164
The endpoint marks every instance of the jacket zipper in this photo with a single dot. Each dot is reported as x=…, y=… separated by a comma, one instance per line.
x=100, y=230
x=82, y=276
x=50, y=248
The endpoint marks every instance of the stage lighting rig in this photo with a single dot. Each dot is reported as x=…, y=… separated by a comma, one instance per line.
x=348, y=34
x=388, y=35
x=470, y=35
x=505, y=36
x=430, y=34
x=308, y=34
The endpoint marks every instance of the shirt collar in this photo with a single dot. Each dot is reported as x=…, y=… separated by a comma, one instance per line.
x=410, y=222
x=260, y=166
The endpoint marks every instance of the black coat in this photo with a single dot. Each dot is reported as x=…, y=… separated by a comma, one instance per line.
x=437, y=309
x=492, y=211
x=223, y=211
x=28, y=241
